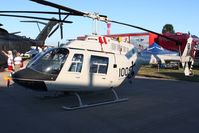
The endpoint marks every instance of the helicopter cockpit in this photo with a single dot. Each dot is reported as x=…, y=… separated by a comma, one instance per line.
x=44, y=66
x=49, y=62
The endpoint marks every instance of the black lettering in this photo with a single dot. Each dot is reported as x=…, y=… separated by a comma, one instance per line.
x=123, y=72
x=131, y=72
x=126, y=71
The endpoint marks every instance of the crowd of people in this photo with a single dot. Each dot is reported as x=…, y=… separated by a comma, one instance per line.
x=14, y=62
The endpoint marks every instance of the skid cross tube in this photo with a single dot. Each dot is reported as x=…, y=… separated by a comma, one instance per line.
x=81, y=105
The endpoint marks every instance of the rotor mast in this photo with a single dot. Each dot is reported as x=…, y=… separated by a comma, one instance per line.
x=95, y=27
x=96, y=17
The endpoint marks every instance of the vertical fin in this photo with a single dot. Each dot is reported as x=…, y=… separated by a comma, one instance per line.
x=186, y=59
x=45, y=31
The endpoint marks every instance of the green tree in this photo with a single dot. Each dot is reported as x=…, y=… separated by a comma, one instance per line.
x=168, y=28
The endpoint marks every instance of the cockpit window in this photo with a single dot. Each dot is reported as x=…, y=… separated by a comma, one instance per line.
x=51, y=61
x=34, y=58
x=98, y=64
x=77, y=62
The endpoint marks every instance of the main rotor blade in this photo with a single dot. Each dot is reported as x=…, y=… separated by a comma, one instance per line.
x=61, y=30
x=70, y=10
x=13, y=33
x=60, y=24
x=36, y=12
x=49, y=19
x=137, y=27
x=28, y=21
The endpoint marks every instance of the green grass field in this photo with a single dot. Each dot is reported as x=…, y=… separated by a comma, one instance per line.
x=149, y=71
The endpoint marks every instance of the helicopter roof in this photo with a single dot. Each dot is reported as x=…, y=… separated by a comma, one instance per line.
x=99, y=44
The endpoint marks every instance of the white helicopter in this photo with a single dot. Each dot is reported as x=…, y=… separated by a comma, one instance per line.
x=89, y=63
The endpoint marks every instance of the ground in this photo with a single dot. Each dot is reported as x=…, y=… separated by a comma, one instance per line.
x=154, y=106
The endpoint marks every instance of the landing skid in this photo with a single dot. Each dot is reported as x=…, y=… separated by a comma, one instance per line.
x=81, y=105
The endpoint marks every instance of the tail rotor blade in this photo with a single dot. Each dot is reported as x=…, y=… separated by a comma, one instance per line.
x=53, y=31
x=61, y=30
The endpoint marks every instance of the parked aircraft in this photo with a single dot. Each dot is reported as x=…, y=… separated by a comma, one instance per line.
x=13, y=42
x=89, y=63
x=182, y=37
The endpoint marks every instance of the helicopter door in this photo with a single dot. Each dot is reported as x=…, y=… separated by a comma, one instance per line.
x=99, y=76
x=75, y=70
x=72, y=76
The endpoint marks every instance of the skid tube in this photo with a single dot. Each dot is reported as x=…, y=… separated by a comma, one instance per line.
x=82, y=106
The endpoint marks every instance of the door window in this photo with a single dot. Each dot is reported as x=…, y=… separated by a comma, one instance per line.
x=76, y=65
x=98, y=64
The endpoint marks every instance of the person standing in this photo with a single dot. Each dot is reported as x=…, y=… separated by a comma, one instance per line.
x=10, y=60
x=18, y=62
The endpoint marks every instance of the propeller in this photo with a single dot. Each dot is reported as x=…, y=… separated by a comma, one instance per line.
x=70, y=11
x=13, y=33
x=36, y=12
x=60, y=25
x=40, y=18
x=49, y=19
x=37, y=22
x=99, y=17
x=137, y=27
x=52, y=32
x=30, y=21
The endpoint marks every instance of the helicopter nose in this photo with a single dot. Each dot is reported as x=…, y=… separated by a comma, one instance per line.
x=34, y=85
x=23, y=78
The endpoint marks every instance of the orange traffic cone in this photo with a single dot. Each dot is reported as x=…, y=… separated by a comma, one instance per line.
x=7, y=79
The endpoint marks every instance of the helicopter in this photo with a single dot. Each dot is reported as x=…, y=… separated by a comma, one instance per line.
x=22, y=44
x=87, y=64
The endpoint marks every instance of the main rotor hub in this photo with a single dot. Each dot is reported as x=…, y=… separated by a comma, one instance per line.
x=96, y=16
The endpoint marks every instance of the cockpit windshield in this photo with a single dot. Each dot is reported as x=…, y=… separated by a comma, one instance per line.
x=50, y=61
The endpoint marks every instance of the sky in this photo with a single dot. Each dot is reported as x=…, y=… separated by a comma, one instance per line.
x=152, y=15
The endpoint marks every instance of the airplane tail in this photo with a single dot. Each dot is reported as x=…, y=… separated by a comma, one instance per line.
x=186, y=58
x=45, y=31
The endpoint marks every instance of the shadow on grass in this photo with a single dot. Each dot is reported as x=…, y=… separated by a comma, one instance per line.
x=148, y=71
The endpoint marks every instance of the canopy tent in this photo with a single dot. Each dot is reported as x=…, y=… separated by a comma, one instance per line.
x=156, y=49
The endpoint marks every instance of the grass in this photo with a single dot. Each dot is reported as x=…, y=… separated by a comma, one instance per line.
x=148, y=71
